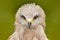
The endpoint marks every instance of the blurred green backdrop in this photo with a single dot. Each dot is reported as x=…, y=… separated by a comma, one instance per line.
x=8, y=9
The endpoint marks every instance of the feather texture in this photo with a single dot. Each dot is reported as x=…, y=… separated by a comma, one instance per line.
x=36, y=30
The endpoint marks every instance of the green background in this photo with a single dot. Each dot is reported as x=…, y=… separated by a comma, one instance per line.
x=8, y=10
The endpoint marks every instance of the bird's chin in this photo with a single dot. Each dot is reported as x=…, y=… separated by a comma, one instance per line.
x=32, y=27
x=27, y=27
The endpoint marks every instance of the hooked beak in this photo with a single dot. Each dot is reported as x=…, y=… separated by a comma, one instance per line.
x=29, y=22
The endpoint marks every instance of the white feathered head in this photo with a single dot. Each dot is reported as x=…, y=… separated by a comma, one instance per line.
x=30, y=16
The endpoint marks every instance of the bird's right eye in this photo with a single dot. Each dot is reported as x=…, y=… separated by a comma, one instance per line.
x=23, y=17
x=35, y=17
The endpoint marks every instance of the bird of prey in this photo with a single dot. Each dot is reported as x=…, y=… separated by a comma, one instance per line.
x=29, y=23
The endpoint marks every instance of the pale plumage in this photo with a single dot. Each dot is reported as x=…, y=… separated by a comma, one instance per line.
x=29, y=24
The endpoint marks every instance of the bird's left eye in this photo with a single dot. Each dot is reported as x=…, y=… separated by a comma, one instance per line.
x=23, y=17
x=35, y=17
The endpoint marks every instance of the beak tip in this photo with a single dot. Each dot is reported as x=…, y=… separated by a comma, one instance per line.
x=29, y=24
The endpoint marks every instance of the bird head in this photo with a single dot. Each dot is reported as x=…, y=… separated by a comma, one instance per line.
x=30, y=16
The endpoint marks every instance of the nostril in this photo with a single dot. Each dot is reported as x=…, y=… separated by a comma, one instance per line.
x=29, y=24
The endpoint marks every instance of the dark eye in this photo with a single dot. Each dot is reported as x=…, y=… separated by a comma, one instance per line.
x=35, y=17
x=23, y=17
